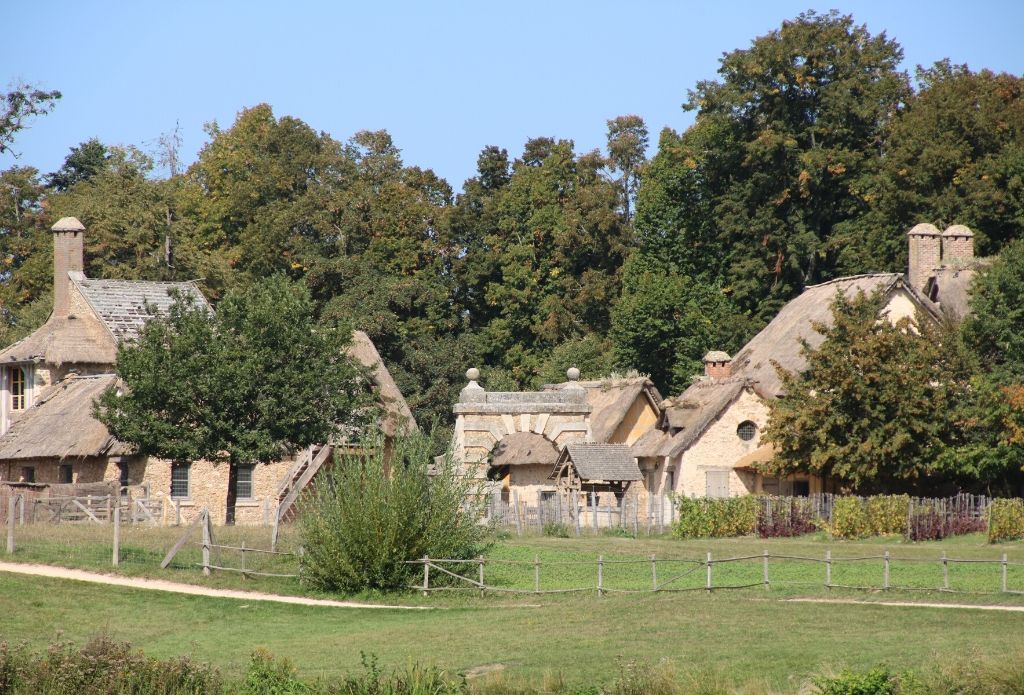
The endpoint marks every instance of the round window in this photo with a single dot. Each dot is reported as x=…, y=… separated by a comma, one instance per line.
x=746, y=430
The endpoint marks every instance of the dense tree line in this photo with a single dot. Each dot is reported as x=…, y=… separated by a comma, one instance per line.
x=810, y=156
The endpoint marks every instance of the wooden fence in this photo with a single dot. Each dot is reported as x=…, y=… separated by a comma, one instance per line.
x=655, y=514
x=211, y=556
x=99, y=509
x=471, y=575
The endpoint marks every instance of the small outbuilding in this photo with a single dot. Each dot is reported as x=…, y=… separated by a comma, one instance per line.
x=593, y=468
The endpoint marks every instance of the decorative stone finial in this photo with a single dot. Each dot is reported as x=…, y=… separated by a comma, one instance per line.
x=472, y=392
x=573, y=374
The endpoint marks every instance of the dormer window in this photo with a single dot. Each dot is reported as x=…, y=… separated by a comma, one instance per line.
x=17, y=381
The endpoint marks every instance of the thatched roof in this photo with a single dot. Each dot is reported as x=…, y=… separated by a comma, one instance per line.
x=780, y=340
x=397, y=416
x=60, y=424
x=119, y=309
x=688, y=415
x=125, y=305
x=950, y=287
x=524, y=448
x=607, y=462
x=67, y=340
x=610, y=400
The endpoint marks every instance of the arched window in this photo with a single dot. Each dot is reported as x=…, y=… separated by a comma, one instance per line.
x=746, y=430
x=17, y=388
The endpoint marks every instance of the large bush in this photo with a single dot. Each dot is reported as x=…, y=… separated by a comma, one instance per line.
x=704, y=517
x=887, y=514
x=378, y=507
x=849, y=519
x=1006, y=520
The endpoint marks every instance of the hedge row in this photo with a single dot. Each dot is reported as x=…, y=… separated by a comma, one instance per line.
x=852, y=517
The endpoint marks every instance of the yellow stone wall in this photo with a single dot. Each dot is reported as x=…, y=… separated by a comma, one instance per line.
x=640, y=418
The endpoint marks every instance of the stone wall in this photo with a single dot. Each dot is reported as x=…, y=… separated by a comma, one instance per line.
x=719, y=446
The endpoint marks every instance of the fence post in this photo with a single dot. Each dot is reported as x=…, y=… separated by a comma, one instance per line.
x=519, y=523
x=600, y=574
x=243, y=559
x=828, y=569
x=207, y=540
x=654, y=573
x=593, y=510
x=12, y=503
x=21, y=510
x=1003, y=568
x=426, y=575
x=117, y=536
x=536, y=574
x=764, y=566
x=885, y=574
x=945, y=571
x=709, y=572
x=109, y=506
x=481, y=561
x=576, y=511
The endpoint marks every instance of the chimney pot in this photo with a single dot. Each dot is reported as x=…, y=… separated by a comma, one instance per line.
x=957, y=245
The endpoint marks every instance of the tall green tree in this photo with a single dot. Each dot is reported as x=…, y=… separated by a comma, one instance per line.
x=251, y=383
x=779, y=158
x=82, y=163
x=873, y=408
x=26, y=254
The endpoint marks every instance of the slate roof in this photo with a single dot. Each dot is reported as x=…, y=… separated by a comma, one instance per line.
x=124, y=305
x=593, y=461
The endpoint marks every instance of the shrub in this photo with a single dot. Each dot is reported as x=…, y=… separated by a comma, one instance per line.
x=1005, y=520
x=784, y=517
x=268, y=676
x=849, y=520
x=412, y=680
x=877, y=681
x=928, y=524
x=887, y=514
x=704, y=517
x=617, y=532
x=556, y=529
x=376, y=509
x=101, y=666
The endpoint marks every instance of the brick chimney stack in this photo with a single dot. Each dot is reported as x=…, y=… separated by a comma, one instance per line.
x=68, y=256
x=957, y=245
x=717, y=365
x=925, y=246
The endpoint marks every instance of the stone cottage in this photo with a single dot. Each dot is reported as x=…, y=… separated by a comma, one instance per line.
x=707, y=441
x=49, y=380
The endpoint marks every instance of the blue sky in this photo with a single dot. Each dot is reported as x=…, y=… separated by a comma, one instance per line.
x=445, y=79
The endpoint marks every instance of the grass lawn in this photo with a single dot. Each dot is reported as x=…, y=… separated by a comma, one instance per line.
x=749, y=636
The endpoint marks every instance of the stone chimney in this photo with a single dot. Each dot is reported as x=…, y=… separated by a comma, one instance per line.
x=957, y=245
x=68, y=256
x=717, y=365
x=925, y=246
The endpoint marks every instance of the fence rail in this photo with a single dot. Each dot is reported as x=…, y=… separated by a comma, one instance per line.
x=471, y=574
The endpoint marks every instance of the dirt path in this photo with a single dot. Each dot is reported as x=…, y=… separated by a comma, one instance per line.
x=179, y=588
x=912, y=604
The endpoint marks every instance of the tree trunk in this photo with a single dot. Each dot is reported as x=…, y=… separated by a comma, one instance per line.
x=229, y=513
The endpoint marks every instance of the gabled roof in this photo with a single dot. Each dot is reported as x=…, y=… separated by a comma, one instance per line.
x=60, y=424
x=396, y=416
x=593, y=461
x=780, y=340
x=125, y=305
x=72, y=339
x=610, y=400
x=688, y=415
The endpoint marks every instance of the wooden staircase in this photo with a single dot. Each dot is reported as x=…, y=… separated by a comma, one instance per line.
x=299, y=476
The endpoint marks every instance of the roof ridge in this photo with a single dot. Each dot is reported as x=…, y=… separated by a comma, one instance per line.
x=848, y=278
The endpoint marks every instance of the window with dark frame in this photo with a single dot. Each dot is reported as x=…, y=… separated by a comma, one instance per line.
x=65, y=474
x=122, y=475
x=243, y=483
x=179, y=480
x=28, y=474
x=746, y=430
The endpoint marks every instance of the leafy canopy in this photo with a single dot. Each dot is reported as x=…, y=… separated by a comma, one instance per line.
x=250, y=383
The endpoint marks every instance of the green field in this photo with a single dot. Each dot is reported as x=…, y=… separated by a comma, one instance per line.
x=750, y=637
